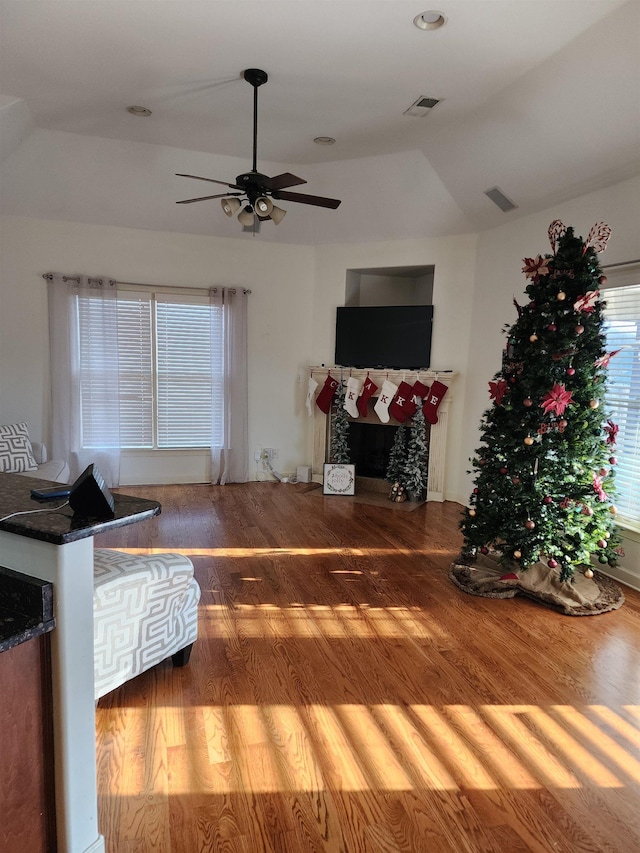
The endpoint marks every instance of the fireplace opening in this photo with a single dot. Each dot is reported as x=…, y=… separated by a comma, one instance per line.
x=370, y=446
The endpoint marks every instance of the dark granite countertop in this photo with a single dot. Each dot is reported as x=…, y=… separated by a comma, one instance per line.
x=26, y=608
x=58, y=524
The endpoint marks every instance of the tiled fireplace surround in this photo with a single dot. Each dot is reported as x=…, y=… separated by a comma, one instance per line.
x=437, y=435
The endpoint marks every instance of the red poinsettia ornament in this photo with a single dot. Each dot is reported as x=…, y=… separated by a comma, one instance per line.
x=597, y=488
x=497, y=390
x=557, y=400
x=535, y=267
x=612, y=431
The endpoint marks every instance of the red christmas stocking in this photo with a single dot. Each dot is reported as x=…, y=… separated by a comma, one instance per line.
x=324, y=398
x=368, y=390
x=433, y=400
x=399, y=408
x=420, y=391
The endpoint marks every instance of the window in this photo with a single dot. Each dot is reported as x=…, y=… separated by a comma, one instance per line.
x=622, y=330
x=169, y=370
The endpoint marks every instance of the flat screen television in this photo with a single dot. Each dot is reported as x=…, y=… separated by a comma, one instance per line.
x=394, y=336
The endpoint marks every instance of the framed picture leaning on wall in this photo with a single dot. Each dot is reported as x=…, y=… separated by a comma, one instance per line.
x=339, y=479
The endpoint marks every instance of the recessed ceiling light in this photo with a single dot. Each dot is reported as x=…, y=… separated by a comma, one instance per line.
x=324, y=140
x=431, y=20
x=139, y=111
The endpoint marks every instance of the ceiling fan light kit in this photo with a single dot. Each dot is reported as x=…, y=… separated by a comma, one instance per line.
x=245, y=217
x=277, y=214
x=256, y=189
x=263, y=205
x=230, y=206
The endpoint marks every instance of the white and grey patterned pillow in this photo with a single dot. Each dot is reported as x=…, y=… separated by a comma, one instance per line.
x=16, y=453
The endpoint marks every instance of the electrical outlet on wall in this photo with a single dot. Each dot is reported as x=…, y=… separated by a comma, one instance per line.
x=257, y=453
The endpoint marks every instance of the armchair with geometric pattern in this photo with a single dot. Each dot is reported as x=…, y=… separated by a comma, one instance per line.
x=145, y=611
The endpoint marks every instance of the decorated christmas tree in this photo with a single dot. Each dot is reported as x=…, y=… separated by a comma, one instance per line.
x=339, y=446
x=397, y=457
x=415, y=473
x=544, y=474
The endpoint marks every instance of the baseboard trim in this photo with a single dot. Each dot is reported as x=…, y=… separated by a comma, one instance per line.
x=622, y=575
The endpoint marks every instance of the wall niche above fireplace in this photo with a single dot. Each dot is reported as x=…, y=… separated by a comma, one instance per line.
x=411, y=285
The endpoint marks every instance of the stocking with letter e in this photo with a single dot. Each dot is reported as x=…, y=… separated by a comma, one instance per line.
x=432, y=402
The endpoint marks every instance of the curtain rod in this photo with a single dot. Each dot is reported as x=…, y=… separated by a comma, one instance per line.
x=49, y=277
x=621, y=264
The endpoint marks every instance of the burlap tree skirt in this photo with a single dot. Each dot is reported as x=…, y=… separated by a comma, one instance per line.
x=484, y=576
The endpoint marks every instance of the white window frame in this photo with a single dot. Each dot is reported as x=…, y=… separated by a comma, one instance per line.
x=624, y=276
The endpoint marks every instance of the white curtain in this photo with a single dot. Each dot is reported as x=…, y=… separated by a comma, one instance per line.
x=85, y=417
x=230, y=453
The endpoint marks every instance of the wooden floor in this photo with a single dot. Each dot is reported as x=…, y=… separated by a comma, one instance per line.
x=345, y=696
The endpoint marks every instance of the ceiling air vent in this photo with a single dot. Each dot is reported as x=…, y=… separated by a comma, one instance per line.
x=422, y=106
x=498, y=197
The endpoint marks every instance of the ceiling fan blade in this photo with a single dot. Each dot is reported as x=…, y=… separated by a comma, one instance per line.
x=206, y=198
x=303, y=198
x=212, y=180
x=286, y=179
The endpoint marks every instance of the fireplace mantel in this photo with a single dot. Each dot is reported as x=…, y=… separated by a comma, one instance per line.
x=438, y=433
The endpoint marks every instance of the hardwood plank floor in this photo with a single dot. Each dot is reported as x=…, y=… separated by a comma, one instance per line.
x=345, y=697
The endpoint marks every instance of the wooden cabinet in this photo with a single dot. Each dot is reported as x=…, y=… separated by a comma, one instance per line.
x=26, y=749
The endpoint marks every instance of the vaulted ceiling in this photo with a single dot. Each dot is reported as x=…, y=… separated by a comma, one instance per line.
x=537, y=97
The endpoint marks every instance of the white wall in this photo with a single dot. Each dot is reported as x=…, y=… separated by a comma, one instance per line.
x=292, y=309
x=454, y=262
x=498, y=279
x=280, y=326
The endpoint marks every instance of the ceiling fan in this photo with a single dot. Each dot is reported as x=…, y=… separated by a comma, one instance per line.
x=255, y=190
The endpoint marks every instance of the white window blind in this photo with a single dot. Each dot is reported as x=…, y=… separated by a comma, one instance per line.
x=622, y=330
x=97, y=324
x=135, y=365
x=184, y=372
x=169, y=360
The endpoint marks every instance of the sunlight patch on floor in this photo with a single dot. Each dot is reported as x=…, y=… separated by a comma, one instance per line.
x=219, y=621
x=241, y=553
x=381, y=747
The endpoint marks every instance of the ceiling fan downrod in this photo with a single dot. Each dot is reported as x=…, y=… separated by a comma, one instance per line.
x=256, y=77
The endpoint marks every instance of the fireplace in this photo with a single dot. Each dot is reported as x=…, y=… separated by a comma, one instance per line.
x=373, y=439
x=370, y=446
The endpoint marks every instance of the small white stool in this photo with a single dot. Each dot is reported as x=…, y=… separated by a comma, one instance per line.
x=145, y=610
